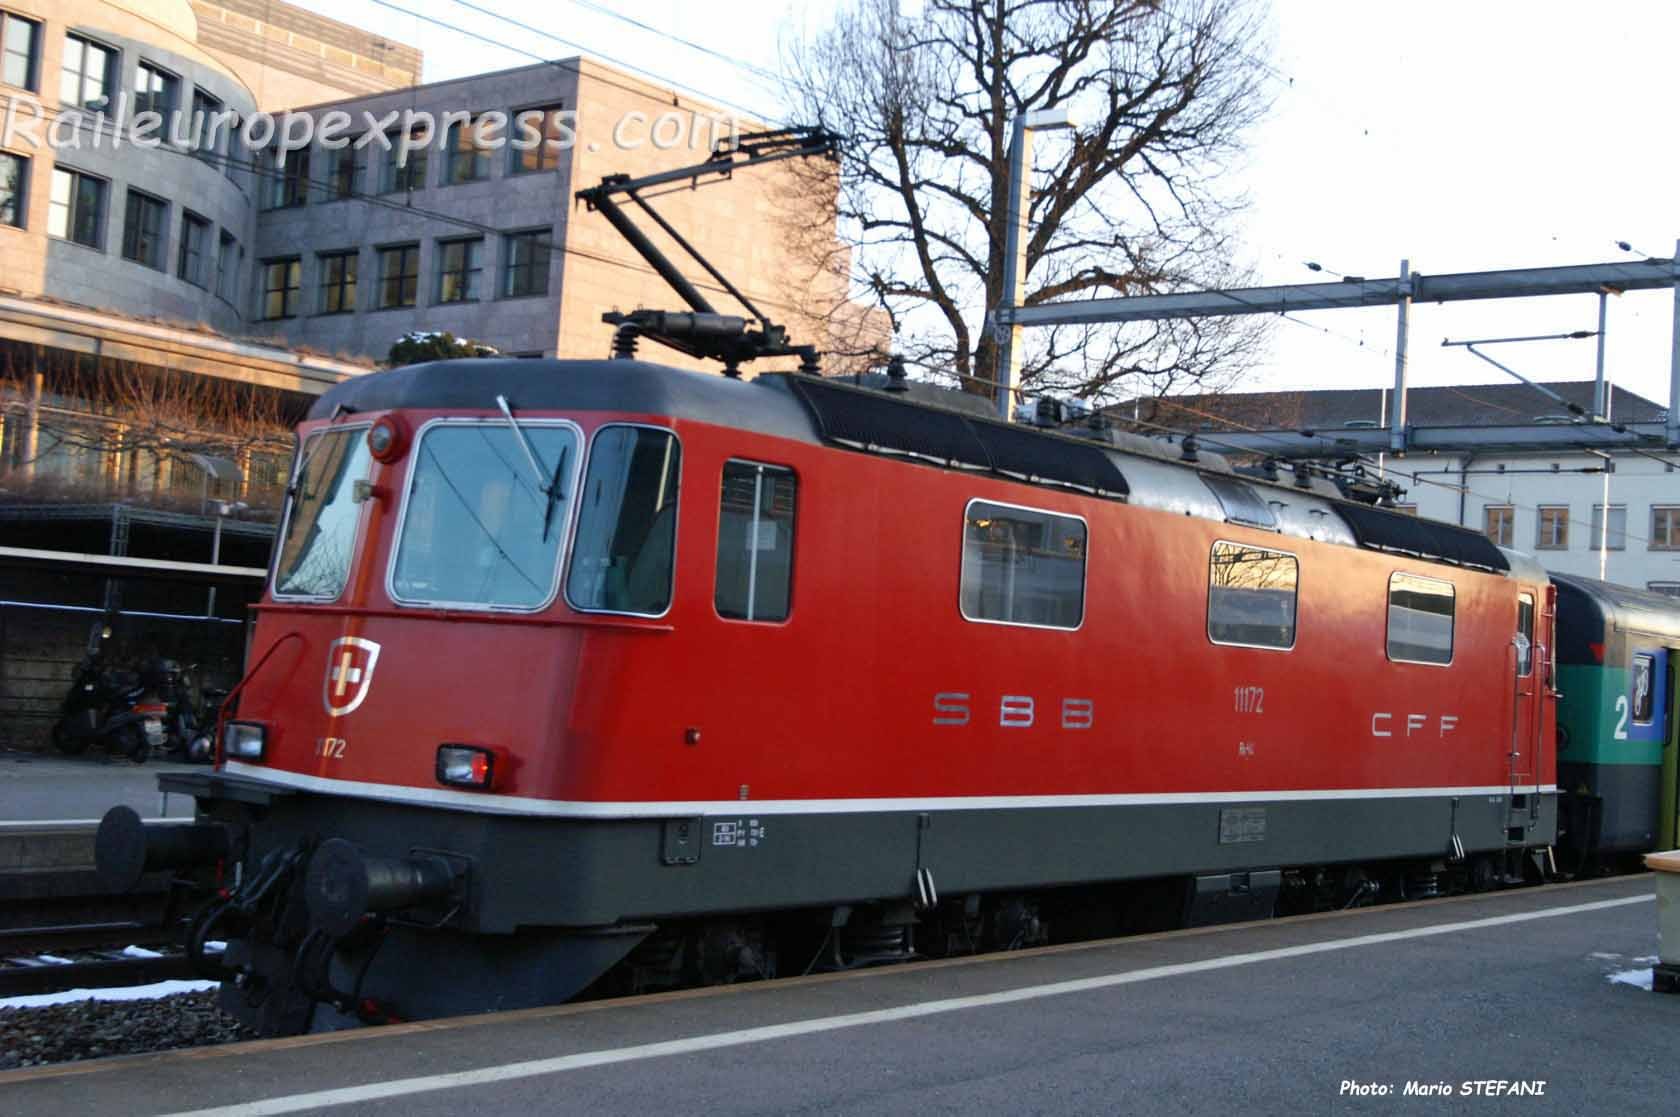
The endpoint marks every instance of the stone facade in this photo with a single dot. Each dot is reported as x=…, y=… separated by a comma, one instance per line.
x=289, y=56
x=745, y=225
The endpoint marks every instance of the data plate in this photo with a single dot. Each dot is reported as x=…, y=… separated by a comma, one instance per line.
x=1242, y=824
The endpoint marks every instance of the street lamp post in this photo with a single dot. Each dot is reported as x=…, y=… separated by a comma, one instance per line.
x=1007, y=333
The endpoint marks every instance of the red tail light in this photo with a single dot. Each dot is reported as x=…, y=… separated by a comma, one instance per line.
x=465, y=766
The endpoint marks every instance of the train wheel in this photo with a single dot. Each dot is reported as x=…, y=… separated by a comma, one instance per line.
x=1482, y=876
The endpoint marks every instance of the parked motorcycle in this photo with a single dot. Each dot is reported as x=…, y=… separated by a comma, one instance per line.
x=113, y=709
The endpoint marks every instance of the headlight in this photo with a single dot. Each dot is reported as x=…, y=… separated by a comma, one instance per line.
x=465, y=766
x=243, y=740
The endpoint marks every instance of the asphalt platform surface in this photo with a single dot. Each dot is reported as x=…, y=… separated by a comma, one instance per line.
x=1534, y=989
x=43, y=787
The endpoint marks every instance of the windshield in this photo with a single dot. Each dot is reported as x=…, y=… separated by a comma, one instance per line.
x=478, y=530
x=321, y=522
x=627, y=530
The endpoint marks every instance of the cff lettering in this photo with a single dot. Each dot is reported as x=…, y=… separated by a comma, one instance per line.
x=1412, y=725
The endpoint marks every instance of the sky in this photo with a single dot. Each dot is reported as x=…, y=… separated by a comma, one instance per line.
x=1465, y=136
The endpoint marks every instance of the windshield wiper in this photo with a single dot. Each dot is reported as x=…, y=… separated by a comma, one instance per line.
x=549, y=487
x=554, y=493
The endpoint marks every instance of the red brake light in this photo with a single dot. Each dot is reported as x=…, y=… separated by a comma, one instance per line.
x=465, y=766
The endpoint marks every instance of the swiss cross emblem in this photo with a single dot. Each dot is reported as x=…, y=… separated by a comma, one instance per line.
x=350, y=663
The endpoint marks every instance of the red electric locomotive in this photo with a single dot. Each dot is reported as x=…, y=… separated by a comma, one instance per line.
x=570, y=669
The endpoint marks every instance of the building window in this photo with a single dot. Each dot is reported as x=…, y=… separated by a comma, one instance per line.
x=549, y=127
x=234, y=165
x=193, y=261
x=282, y=280
x=525, y=266
x=458, y=269
x=399, y=275
x=341, y=172
x=467, y=157
x=1667, y=589
x=623, y=558
x=1420, y=619
x=1499, y=521
x=755, y=542
x=400, y=171
x=145, y=222
x=77, y=207
x=156, y=91
x=14, y=189
x=227, y=267
x=88, y=73
x=1665, y=527
x=288, y=185
x=338, y=282
x=205, y=135
x=1553, y=533
x=1617, y=539
x=20, y=51
x=1021, y=566
x=1251, y=596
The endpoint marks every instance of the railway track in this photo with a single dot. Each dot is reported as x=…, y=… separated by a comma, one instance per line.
x=61, y=928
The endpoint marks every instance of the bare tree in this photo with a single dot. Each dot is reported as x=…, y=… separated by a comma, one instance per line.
x=1137, y=200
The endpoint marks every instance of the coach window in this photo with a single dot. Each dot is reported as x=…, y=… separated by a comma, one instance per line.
x=755, y=542
x=483, y=525
x=1251, y=596
x=625, y=552
x=1420, y=619
x=1021, y=566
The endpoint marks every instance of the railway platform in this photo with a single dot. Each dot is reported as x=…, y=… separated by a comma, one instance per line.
x=1519, y=1002
x=46, y=787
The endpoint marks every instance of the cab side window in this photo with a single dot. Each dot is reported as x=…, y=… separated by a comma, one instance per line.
x=1420, y=619
x=1525, y=634
x=755, y=542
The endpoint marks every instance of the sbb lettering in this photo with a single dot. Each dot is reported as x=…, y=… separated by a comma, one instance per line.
x=1014, y=711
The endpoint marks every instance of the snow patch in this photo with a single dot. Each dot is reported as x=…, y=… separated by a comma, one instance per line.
x=147, y=992
x=54, y=959
x=140, y=952
x=1639, y=979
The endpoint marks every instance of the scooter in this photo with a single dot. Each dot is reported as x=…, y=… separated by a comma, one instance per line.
x=110, y=708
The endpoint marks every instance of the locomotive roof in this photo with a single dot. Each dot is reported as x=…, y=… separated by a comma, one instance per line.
x=550, y=385
x=807, y=409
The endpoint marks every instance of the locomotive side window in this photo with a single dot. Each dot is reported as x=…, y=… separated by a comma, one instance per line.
x=321, y=517
x=1420, y=619
x=1022, y=566
x=755, y=542
x=1251, y=596
x=478, y=530
x=625, y=552
x=1525, y=634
